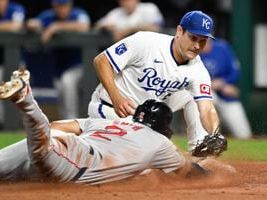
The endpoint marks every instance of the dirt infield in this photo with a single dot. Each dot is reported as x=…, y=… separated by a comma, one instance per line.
x=250, y=182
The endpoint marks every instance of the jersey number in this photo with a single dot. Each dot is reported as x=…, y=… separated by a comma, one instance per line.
x=109, y=130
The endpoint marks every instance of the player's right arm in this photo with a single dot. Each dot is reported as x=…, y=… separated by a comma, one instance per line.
x=37, y=24
x=15, y=23
x=169, y=159
x=122, y=105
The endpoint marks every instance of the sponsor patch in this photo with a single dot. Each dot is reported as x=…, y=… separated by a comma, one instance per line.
x=205, y=89
x=121, y=49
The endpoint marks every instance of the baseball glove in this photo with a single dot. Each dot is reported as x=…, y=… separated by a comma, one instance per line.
x=212, y=145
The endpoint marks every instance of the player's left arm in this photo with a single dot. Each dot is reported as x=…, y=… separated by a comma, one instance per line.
x=214, y=143
x=70, y=26
x=10, y=26
x=208, y=115
x=201, y=90
x=68, y=126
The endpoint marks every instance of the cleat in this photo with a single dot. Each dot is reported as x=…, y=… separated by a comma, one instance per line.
x=18, y=87
x=22, y=73
x=11, y=89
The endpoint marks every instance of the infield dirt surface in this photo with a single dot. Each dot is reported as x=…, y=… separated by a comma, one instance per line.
x=250, y=182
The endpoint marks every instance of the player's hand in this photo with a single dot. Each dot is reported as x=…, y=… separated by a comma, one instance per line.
x=49, y=32
x=212, y=145
x=34, y=25
x=230, y=91
x=217, y=84
x=124, y=107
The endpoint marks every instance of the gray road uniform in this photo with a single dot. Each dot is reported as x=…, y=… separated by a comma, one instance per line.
x=105, y=151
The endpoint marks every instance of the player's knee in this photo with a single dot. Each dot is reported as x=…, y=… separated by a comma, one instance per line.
x=71, y=77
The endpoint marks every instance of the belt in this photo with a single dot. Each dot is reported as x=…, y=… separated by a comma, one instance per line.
x=106, y=103
x=79, y=174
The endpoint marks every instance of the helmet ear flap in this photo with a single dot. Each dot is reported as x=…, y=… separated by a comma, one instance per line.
x=156, y=115
x=139, y=114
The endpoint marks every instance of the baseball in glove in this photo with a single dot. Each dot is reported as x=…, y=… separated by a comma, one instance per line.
x=212, y=145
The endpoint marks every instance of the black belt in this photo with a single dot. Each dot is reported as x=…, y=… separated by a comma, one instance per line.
x=79, y=174
x=106, y=103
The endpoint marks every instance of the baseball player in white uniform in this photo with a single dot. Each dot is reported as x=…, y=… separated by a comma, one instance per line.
x=131, y=16
x=91, y=151
x=152, y=65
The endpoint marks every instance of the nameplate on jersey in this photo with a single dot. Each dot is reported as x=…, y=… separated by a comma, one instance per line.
x=121, y=49
x=152, y=82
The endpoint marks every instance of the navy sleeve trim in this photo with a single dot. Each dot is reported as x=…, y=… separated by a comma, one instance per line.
x=115, y=66
x=203, y=97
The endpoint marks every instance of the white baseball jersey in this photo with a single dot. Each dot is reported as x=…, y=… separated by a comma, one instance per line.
x=146, y=69
x=145, y=13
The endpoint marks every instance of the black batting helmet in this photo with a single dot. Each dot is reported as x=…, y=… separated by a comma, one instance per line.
x=156, y=115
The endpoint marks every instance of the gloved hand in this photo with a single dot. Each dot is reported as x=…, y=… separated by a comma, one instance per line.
x=212, y=145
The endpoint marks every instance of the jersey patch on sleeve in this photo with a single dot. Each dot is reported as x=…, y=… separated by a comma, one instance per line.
x=205, y=89
x=121, y=49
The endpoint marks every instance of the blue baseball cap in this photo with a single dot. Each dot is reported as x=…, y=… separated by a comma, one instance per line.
x=197, y=23
x=61, y=1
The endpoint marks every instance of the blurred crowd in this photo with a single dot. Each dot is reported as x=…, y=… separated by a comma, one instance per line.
x=121, y=18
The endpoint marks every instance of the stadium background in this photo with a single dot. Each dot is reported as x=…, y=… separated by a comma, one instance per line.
x=249, y=157
x=235, y=20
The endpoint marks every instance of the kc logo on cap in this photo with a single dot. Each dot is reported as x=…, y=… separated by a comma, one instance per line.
x=206, y=23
